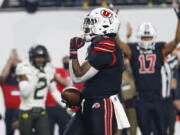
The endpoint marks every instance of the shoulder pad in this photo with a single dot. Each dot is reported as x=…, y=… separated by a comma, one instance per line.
x=132, y=44
x=49, y=67
x=160, y=44
x=50, y=70
x=22, y=68
x=105, y=46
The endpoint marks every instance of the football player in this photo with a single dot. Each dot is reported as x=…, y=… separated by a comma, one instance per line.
x=35, y=78
x=147, y=58
x=102, y=73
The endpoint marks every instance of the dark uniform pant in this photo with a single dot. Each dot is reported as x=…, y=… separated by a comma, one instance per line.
x=57, y=115
x=11, y=115
x=151, y=115
x=35, y=118
x=95, y=118
x=170, y=117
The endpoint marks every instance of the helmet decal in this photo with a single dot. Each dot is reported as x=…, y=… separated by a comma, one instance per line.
x=106, y=13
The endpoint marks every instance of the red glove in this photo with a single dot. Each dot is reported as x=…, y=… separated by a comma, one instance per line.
x=75, y=44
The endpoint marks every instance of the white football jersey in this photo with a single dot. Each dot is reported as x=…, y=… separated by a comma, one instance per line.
x=38, y=96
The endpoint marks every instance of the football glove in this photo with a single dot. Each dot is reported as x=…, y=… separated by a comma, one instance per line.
x=75, y=44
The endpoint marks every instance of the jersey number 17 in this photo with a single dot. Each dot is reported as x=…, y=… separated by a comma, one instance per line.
x=144, y=68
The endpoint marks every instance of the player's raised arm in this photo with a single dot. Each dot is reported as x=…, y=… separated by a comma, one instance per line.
x=75, y=44
x=60, y=80
x=56, y=94
x=79, y=73
x=124, y=47
x=11, y=62
x=169, y=47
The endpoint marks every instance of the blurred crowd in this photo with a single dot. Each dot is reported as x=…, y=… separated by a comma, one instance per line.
x=86, y=3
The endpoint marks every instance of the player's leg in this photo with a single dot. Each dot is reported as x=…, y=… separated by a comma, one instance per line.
x=41, y=124
x=8, y=121
x=76, y=125
x=143, y=117
x=26, y=123
x=62, y=119
x=15, y=119
x=131, y=113
x=99, y=117
x=172, y=117
x=51, y=119
x=160, y=118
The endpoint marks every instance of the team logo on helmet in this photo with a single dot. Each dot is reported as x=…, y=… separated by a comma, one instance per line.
x=96, y=105
x=106, y=13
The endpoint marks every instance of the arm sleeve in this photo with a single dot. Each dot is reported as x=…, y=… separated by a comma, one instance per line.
x=89, y=74
x=56, y=94
x=26, y=86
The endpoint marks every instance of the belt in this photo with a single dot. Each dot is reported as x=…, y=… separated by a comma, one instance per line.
x=37, y=110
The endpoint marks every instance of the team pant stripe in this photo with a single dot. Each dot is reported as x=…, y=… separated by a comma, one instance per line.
x=108, y=114
x=111, y=116
x=105, y=117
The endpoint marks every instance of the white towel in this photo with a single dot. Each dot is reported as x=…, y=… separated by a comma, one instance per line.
x=121, y=118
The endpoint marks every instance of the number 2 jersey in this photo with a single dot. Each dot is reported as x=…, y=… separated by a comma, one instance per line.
x=38, y=95
x=146, y=66
x=105, y=55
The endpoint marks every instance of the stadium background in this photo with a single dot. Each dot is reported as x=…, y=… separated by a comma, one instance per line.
x=53, y=28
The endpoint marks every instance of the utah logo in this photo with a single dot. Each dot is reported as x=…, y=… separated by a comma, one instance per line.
x=106, y=13
x=96, y=105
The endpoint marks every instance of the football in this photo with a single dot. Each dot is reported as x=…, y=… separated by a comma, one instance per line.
x=72, y=96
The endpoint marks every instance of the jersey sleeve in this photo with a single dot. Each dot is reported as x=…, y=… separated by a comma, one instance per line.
x=102, y=54
x=160, y=45
x=100, y=60
x=22, y=69
x=50, y=70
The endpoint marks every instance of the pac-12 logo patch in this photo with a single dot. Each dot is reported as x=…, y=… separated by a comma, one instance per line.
x=96, y=105
x=106, y=13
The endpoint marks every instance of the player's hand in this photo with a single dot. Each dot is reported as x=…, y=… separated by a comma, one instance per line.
x=68, y=105
x=128, y=30
x=177, y=10
x=177, y=104
x=70, y=112
x=15, y=125
x=75, y=44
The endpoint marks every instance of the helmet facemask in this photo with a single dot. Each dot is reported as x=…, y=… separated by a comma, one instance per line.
x=88, y=28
